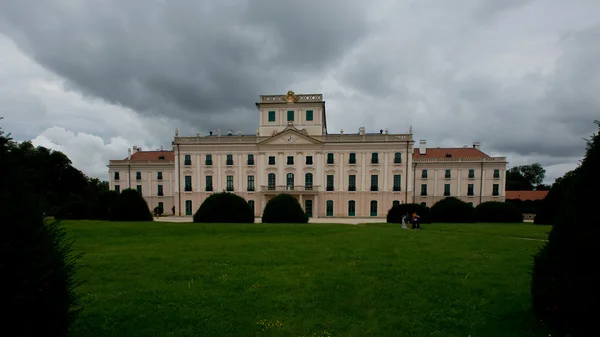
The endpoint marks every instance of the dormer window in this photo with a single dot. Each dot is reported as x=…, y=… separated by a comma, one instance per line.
x=161, y=157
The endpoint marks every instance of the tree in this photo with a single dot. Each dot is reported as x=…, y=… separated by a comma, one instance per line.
x=224, y=208
x=284, y=208
x=451, y=209
x=564, y=286
x=524, y=178
x=501, y=212
x=130, y=206
x=554, y=199
x=37, y=265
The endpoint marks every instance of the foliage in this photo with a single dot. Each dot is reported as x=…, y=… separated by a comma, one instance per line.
x=37, y=267
x=564, y=286
x=284, y=208
x=551, y=204
x=526, y=206
x=495, y=211
x=130, y=206
x=224, y=208
x=525, y=178
x=396, y=213
x=453, y=210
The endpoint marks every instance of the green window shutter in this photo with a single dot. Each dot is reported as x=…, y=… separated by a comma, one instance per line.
x=290, y=115
x=271, y=116
x=309, y=115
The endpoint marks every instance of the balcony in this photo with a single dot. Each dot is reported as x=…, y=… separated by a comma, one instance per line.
x=290, y=188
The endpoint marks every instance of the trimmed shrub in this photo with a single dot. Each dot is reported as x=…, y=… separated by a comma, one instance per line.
x=130, y=206
x=551, y=204
x=564, y=286
x=224, y=208
x=452, y=210
x=495, y=211
x=284, y=208
x=396, y=213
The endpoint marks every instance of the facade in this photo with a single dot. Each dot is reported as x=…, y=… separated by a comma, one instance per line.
x=332, y=175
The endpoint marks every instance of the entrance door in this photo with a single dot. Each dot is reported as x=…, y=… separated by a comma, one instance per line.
x=188, y=207
x=308, y=207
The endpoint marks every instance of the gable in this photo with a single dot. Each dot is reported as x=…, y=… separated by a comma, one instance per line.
x=290, y=137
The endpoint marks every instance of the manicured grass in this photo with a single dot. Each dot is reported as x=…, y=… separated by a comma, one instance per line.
x=174, y=279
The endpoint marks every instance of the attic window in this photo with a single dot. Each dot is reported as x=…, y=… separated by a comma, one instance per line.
x=448, y=155
x=161, y=158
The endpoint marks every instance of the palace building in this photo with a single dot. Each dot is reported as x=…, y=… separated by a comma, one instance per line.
x=357, y=174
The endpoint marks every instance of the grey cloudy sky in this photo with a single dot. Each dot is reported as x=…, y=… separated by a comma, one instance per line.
x=93, y=78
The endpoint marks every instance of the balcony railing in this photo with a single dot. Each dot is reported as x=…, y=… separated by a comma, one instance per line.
x=289, y=188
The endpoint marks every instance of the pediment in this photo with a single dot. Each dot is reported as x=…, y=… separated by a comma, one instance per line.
x=290, y=136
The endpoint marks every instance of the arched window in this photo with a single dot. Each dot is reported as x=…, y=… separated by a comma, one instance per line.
x=308, y=181
x=271, y=181
x=289, y=181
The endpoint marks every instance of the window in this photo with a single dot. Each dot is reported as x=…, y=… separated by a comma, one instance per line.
x=271, y=160
x=496, y=174
x=330, y=182
x=448, y=174
x=424, y=174
x=271, y=116
x=351, y=208
x=250, y=159
x=446, y=190
x=496, y=190
x=271, y=181
x=374, y=182
x=290, y=115
x=395, y=203
x=397, y=182
x=352, y=183
x=159, y=175
x=290, y=160
x=471, y=174
x=208, y=160
x=251, y=204
x=188, y=207
x=398, y=158
x=161, y=205
x=424, y=190
x=329, y=208
x=229, y=183
x=424, y=204
x=188, y=183
x=139, y=189
x=374, y=158
x=471, y=204
x=352, y=159
x=138, y=176
x=118, y=188
x=289, y=181
x=160, y=191
x=308, y=207
x=116, y=175
x=209, y=185
x=309, y=115
x=373, y=207
x=308, y=181
x=187, y=160
x=330, y=158
x=309, y=160
x=470, y=190
x=250, y=183
x=229, y=160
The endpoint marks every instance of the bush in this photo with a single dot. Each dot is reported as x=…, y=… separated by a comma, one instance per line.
x=564, y=286
x=494, y=211
x=396, y=213
x=224, y=208
x=37, y=284
x=551, y=204
x=130, y=206
x=284, y=208
x=452, y=210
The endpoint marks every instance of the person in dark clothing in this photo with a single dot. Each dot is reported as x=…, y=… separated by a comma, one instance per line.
x=173, y=209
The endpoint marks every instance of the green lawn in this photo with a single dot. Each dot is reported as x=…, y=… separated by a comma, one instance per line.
x=174, y=279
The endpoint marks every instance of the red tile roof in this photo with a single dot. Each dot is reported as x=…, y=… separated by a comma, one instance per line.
x=152, y=155
x=526, y=195
x=460, y=152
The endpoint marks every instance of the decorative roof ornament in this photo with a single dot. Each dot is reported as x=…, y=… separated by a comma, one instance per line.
x=386, y=131
x=218, y=132
x=410, y=130
x=342, y=131
x=176, y=132
x=257, y=132
x=290, y=97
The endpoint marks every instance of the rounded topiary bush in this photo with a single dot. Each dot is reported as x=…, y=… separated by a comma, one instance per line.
x=284, y=208
x=130, y=206
x=452, y=210
x=495, y=211
x=396, y=213
x=224, y=208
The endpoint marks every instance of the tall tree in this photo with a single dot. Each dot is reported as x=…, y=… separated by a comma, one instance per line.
x=525, y=177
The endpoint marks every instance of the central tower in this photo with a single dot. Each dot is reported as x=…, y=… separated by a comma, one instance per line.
x=303, y=111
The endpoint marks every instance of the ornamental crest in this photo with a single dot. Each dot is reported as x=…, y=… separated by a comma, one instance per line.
x=290, y=97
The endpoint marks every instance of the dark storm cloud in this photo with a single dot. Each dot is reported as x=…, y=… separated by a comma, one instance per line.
x=192, y=60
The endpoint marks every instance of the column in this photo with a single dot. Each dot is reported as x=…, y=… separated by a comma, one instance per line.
x=198, y=173
x=299, y=179
x=458, y=172
x=318, y=177
x=260, y=171
x=341, y=173
x=503, y=183
x=218, y=186
x=263, y=203
x=385, y=172
x=302, y=201
x=280, y=174
x=435, y=182
x=240, y=174
x=316, y=206
x=363, y=179
x=176, y=186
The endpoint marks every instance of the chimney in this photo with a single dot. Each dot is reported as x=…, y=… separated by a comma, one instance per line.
x=129, y=154
x=135, y=149
x=161, y=147
x=423, y=146
x=477, y=145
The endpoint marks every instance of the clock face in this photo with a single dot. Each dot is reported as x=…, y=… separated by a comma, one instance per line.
x=290, y=139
